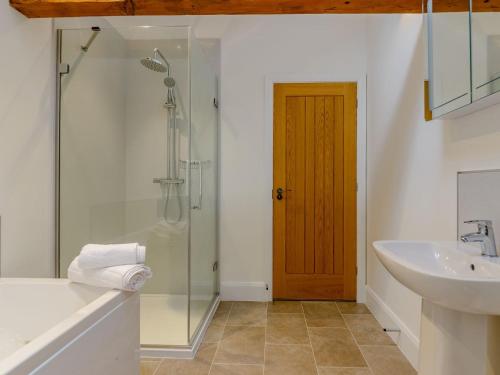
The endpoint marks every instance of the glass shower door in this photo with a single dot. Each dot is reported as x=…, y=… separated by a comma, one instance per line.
x=203, y=178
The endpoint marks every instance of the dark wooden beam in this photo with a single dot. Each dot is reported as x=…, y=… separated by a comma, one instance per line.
x=83, y=8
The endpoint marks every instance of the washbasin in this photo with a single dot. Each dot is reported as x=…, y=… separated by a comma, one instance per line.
x=451, y=274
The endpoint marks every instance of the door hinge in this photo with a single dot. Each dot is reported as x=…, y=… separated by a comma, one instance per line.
x=63, y=68
x=357, y=187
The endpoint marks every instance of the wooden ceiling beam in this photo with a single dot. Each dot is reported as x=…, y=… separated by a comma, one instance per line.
x=206, y=7
x=72, y=8
x=84, y=8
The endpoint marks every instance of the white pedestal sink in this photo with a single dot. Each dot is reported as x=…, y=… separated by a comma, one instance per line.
x=460, y=327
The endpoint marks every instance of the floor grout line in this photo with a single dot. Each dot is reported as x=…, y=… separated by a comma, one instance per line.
x=158, y=366
x=310, y=341
x=220, y=339
x=355, y=341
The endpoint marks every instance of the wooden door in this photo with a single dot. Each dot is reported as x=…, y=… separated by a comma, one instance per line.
x=314, y=213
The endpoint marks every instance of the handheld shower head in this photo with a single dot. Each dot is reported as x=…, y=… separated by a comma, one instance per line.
x=169, y=82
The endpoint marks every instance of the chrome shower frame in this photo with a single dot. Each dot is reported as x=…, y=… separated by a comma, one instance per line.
x=57, y=164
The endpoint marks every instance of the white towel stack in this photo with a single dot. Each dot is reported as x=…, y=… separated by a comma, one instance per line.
x=119, y=266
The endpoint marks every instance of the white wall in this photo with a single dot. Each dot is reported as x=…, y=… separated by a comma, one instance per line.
x=27, y=94
x=254, y=48
x=412, y=164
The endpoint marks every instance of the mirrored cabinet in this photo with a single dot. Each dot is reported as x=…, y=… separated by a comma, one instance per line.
x=485, y=42
x=464, y=56
x=449, y=56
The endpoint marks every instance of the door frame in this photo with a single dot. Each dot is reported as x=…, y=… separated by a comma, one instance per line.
x=361, y=80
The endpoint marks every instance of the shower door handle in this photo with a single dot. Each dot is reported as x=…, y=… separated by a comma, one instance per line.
x=197, y=206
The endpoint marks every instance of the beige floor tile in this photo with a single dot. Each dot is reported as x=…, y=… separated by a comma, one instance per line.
x=322, y=314
x=241, y=345
x=286, y=307
x=237, y=370
x=289, y=360
x=248, y=313
x=335, y=347
x=198, y=366
x=213, y=333
x=367, y=331
x=343, y=371
x=387, y=360
x=286, y=329
x=225, y=306
x=220, y=317
x=149, y=366
x=240, y=304
x=353, y=308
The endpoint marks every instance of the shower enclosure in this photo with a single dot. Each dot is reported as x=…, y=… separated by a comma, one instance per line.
x=137, y=161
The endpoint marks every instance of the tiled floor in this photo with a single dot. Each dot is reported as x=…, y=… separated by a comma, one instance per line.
x=290, y=338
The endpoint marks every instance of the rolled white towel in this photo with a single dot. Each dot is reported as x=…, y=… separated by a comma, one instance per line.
x=99, y=256
x=125, y=277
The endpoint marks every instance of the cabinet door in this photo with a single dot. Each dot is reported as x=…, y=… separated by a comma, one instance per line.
x=485, y=51
x=449, y=56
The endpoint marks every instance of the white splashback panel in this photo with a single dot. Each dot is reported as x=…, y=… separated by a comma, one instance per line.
x=479, y=198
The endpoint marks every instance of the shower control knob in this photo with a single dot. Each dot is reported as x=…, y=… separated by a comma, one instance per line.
x=279, y=194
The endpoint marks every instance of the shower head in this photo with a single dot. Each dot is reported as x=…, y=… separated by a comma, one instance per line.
x=169, y=82
x=153, y=64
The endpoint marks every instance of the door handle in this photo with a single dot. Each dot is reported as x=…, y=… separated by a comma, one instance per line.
x=279, y=194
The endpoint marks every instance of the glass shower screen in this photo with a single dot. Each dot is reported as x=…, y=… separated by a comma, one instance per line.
x=137, y=162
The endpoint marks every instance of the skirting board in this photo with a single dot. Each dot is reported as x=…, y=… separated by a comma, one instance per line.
x=407, y=342
x=244, y=291
x=258, y=291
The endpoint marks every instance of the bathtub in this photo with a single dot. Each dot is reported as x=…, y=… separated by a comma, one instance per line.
x=51, y=326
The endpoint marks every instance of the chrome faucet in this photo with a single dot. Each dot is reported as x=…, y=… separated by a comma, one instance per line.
x=484, y=236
